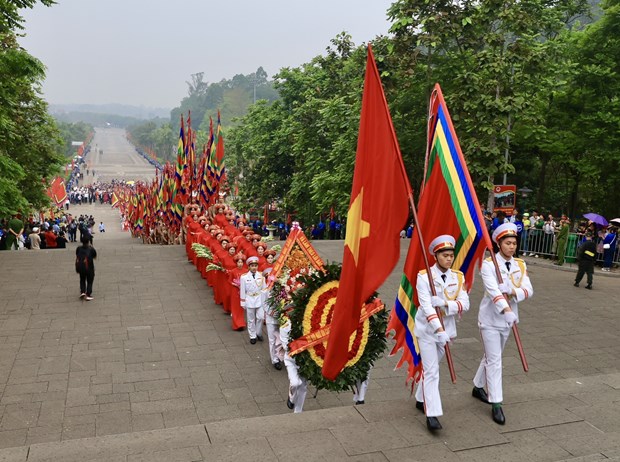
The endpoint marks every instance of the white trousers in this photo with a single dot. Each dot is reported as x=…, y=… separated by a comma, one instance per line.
x=361, y=387
x=428, y=387
x=275, y=345
x=255, y=318
x=298, y=386
x=490, y=370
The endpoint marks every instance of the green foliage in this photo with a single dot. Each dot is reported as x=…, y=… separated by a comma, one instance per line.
x=158, y=136
x=70, y=132
x=30, y=146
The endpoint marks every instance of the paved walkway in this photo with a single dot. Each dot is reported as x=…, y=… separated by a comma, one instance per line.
x=150, y=370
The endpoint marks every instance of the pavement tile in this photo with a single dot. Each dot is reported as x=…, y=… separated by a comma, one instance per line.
x=254, y=449
x=536, y=446
x=369, y=437
x=437, y=452
x=317, y=444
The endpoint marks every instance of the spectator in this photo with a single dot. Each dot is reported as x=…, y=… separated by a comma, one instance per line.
x=609, y=248
x=35, y=239
x=101, y=227
x=61, y=241
x=50, y=239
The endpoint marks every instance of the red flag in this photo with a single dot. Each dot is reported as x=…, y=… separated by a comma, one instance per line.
x=377, y=212
x=266, y=215
x=57, y=191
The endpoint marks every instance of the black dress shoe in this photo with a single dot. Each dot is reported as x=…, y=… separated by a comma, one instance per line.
x=498, y=415
x=359, y=402
x=289, y=403
x=259, y=338
x=433, y=424
x=576, y=284
x=480, y=394
x=252, y=341
x=589, y=287
x=278, y=365
x=419, y=405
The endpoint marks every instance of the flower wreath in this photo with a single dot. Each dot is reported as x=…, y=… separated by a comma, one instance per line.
x=314, y=300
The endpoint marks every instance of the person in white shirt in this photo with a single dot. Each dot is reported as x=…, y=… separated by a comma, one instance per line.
x=452, y=299
x=499, y=310
x=251, y=288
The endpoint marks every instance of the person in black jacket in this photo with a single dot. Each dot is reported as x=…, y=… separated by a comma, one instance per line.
x=85, y=267
x=586, y=256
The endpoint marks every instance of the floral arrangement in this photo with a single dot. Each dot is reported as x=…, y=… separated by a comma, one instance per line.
x=202, y=251
x=312, y=294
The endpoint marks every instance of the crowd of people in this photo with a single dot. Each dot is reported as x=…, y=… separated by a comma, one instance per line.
x=47, y=233
x=236, y=263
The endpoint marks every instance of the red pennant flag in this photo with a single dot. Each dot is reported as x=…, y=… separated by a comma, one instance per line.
x=378, y=211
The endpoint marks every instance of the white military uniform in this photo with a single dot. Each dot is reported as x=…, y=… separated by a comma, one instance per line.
x=298, y=386
x=251, y=287
x=494, y=329
x=427, y=322
x=273, y=329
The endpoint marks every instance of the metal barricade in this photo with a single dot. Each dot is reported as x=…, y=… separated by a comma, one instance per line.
x=538, y=244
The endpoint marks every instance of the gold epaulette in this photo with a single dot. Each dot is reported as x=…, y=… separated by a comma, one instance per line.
x=457, y=272
x=519, y=260
x=422, y=271
x=488, y=259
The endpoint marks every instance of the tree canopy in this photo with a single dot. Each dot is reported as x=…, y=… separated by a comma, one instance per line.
x=30, y=146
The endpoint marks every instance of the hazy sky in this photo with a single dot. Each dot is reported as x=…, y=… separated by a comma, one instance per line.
x=141, y=52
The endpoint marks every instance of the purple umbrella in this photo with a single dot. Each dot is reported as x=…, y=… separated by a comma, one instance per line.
x=596, y=218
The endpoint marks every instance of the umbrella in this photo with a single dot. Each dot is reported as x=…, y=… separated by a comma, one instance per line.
x=596, y=218
x=615, y=222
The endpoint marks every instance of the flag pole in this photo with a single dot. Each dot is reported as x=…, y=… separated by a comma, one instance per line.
x=432, y=286
x=515, y=329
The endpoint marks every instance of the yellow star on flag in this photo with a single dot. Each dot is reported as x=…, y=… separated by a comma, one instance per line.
x=357, y=228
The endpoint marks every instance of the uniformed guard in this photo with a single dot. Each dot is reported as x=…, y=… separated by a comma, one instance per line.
x=452, y=300
x=498, y=312
x=298, y=385
x=252, y=285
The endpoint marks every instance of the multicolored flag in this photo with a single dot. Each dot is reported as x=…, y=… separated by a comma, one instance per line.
x=378, y=210
x=448, y=188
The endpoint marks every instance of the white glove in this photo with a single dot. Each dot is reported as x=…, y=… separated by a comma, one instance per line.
x=510, y=318
x=438, y=301
x=505, y=288
x=442, y=338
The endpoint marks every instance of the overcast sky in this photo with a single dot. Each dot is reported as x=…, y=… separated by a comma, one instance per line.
x=141, y=52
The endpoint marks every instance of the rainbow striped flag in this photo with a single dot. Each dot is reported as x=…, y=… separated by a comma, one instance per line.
x=448, y=205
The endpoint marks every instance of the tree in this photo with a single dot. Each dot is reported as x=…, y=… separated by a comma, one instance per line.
x=491, y=58
x=30, y=146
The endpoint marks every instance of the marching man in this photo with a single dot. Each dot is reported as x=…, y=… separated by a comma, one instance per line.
x=298, y=386
x=498, y=312
x=452, y=300
x=251, y=287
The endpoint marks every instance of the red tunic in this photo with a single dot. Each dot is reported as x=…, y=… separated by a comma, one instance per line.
x=238, y=313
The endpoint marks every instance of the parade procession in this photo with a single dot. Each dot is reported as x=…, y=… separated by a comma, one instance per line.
x=323, y=323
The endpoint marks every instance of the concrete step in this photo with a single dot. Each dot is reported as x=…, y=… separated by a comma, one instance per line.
x=238, y=439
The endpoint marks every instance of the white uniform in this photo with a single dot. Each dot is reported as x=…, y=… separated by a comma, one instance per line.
x=251, y=287
x=273, y=330
x=493, y=327
x=298, y=386
x=427, y=322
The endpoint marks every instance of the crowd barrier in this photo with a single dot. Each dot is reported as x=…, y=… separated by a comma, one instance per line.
x=535, y=242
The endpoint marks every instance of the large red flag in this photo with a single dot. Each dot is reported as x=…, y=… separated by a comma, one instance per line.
x=378, y=211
